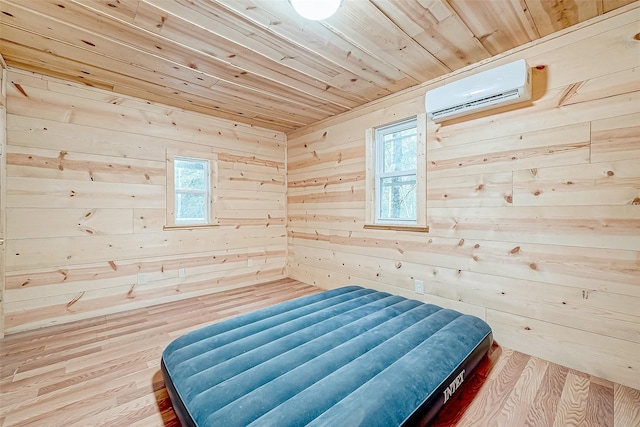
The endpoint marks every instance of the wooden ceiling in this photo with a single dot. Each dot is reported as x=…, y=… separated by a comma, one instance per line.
x=257, y=61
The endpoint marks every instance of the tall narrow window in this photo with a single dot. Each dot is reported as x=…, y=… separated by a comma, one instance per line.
x=396, y=175
x=191, y=184
x=396, y=154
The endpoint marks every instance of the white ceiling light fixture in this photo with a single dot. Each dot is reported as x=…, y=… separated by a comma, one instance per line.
x=316, y=10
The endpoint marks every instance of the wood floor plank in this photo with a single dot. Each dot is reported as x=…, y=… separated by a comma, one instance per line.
x=626, y=406
x=53, y=359
x=76, y=395
x=495, y=391
x=73, y=413
x=572, y=406
x=453, y=412
x=545, y=404
x=600, y=405
x=32, y=383
x=106, y=372
x=517, y=406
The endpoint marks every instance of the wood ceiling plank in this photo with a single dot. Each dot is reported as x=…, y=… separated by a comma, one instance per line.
x=80, y=43
x=252, y=47
x=57, y=67
x=223, y=106
x=278, y=17
x=102, y=66
x=499, y=25
x=609, y=5
x=367, y=27
x=437, y=28
x=259, y=101
x=553, y=15
x=124, y=10
x=37, y=63
x=133, y=46
x=258, y=61
x=44, y=53
x=272, y=75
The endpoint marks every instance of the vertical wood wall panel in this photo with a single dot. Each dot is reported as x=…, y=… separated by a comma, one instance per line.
x=86, y=200
x=3, y=186
x=534, y=209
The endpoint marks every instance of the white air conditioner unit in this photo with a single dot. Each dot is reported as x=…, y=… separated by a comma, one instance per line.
x=503, y=85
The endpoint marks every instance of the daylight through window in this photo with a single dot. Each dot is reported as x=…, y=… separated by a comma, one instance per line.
x=396, y=148
x=396, y=176
x=191, y=179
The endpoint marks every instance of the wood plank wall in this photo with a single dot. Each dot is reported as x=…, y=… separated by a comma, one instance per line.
x=534, y=210
x=86, y=204
x=3, y=185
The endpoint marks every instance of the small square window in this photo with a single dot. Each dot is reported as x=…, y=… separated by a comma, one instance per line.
x=191, y=184
x=191, y=192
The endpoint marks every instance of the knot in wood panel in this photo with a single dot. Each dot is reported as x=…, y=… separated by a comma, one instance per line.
x=20, y=89
x=75, y=300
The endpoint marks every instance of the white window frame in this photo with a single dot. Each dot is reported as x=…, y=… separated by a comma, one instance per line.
x=374, y=175
x=177, y=192
x=380, y=175
x=210, y=160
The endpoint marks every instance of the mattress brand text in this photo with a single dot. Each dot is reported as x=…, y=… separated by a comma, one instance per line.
x=455, y=384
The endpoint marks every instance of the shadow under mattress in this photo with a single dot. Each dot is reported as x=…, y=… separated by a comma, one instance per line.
x=345, y=357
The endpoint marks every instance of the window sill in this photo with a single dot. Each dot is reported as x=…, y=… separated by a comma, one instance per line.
x=189, y=227
x=394, y=227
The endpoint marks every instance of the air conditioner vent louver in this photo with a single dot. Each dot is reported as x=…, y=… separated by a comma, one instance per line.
x=500, y=86
x=490, y=100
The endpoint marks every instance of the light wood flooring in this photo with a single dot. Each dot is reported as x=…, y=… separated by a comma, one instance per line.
x=106, y=372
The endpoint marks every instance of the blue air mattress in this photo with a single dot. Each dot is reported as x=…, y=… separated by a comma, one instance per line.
x=345, y=357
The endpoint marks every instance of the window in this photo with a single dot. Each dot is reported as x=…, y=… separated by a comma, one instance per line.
x=191, y=184
x=396, y=150
x=191, y=192
x=396, y=175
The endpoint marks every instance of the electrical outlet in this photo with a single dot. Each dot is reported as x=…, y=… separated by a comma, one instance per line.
x=249, y=262
x=419, y=287
x=142, y=279
x=182, y=273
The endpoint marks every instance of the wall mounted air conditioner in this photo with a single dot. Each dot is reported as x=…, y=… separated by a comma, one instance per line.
x=503, y=85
